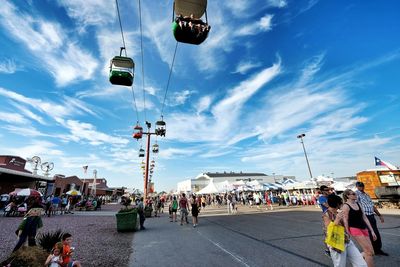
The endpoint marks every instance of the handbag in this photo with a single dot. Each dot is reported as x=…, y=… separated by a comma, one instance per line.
x=335, y=236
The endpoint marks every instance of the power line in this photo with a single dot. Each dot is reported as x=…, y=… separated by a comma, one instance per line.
x=141, y=49
x=120, y=26
x=169, y=78
x=126, y=55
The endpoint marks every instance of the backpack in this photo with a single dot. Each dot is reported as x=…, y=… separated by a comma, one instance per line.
x=175, y=204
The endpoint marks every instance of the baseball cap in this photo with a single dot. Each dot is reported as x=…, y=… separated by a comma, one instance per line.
x=360, y=184
x=323, y=188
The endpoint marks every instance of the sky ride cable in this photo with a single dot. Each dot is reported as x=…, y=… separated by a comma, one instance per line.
x=169, y=78
x=126, y=55
x=141, y=49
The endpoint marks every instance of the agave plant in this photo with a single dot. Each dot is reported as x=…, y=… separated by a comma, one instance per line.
x=47, y=240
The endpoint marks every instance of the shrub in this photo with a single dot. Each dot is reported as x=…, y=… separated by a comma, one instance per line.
x=49, y=239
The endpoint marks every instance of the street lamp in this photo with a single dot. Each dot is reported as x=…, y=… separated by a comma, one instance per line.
x=300, y=136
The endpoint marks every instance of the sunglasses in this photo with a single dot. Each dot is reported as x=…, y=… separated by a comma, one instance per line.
x=351, y=194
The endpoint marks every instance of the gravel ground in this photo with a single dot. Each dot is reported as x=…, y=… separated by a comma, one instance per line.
x=95, y=237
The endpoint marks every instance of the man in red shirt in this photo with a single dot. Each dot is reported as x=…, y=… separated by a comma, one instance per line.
x=184, y=206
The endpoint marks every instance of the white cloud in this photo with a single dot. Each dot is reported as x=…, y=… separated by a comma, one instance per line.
x=203, y=104
x=263, y=25
x=8, y=66
x=13, y=118
x=51, y=109
x=25, y=130
x=244, y=66
x=175, y=152
x=90, y=12
x=88, y=132
x=28, y=113
x=277, y=3
x=46, y=150
x=179, y=98
x=225, y=113
x=45, y=40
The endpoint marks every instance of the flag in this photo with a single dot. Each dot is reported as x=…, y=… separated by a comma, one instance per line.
x=85, y=169
x=379, y=162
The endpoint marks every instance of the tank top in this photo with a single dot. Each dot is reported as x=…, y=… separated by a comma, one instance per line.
x=356, y=218
x=54, y=262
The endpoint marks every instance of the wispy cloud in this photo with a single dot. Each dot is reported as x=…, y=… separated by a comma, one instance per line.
x=199, y=127
x=263, y=25
x=52, y=109
x=277, y=3
x=44, y=39
x=8, y=66
x=203, y=104
x=244, y=66
x=14, y=118
x=180, y=98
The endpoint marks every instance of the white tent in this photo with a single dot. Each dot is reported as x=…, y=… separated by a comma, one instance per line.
x=209, y=189
x=224, y=186
x=256, y=185
x=341, y=186
x=239, y=183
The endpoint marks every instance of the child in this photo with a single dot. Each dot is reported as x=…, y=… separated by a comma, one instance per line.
x=55, y=259
x=67, y=251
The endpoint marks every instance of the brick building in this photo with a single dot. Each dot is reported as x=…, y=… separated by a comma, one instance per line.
x=14, y=175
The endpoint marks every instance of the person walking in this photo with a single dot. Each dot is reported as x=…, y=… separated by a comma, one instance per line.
x=195, y=210
x=184, y=207
x=28, y=228
x=174, y=208
x=141, y=214
x=370, y=210
x=350, y=252
x=323, y=203
x=357, y=225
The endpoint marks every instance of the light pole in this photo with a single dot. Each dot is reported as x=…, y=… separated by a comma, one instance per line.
x=300, y=136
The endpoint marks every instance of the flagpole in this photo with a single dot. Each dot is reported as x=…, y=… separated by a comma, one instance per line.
x=84, y=178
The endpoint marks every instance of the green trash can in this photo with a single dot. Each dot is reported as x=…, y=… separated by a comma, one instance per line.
x=127, y=220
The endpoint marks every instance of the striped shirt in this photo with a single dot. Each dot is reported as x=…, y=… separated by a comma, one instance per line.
x=366, y=203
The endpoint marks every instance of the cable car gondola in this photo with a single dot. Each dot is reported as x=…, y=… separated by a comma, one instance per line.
x=137, y=132
x=160, y=128
x=141, y=153
x=187, y=26
x=121, y=70
x=155, y=148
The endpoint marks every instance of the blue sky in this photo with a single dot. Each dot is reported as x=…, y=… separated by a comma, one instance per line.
x=270, y=70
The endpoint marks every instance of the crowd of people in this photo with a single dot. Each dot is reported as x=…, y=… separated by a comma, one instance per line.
x=354, y=212
x=192, y=26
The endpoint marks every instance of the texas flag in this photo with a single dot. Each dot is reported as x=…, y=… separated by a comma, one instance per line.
x=379, y=162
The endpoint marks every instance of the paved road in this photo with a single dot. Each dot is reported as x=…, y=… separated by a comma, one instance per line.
x=250, y=238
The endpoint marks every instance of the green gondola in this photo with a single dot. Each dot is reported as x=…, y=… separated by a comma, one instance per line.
x=121, y=71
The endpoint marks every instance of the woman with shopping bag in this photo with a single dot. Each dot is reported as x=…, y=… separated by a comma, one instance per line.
x=342, y=249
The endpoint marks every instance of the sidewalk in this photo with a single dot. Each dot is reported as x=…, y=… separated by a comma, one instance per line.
x=166, y=243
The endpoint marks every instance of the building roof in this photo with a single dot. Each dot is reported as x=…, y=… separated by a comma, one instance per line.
x=26, y=174
x=232, y=174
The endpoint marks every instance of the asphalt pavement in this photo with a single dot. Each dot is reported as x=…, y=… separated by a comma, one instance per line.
x=252, y=237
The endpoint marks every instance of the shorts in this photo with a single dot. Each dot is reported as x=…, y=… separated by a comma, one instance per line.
x=184, y=212
x=358, y=232
x=174, y=210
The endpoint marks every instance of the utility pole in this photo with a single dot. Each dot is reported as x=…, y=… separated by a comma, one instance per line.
x=147, y=167
x=300, y=136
